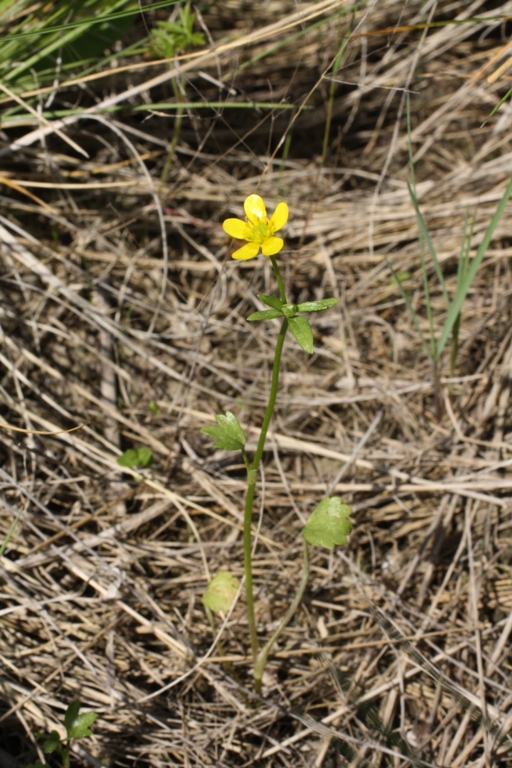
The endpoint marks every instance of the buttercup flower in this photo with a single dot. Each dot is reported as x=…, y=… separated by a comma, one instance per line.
x=258, y=229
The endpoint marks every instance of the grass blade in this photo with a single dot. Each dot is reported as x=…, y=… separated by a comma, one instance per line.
x=426, y=236
x=463, y=289
x=412, y=312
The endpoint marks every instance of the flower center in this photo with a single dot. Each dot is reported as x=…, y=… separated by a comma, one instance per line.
x=261, y=231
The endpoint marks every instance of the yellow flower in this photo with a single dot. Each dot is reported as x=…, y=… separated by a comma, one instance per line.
x=257, y=229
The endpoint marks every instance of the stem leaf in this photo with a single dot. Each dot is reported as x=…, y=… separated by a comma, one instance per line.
x=265, y=314
x=270, y=301
x=316, y=306
x=301, y=331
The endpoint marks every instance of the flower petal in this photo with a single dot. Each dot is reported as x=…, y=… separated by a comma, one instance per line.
x=255, y=210
x=272, y=245
x=237, y=228
x=248, y=251
x=279, y=217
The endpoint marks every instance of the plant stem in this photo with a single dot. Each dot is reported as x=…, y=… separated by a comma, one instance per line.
x=252, y=472
x=437, y=389
x=259, y=666
x=176, y=132
x=220, y=646
x=65, y=755
x=279, y=279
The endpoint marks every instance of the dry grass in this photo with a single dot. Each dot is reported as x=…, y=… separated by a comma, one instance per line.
x=400, y=653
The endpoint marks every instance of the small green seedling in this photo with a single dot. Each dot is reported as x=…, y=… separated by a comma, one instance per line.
x=136, y=457
x=329, y=524
x=168, y=39
x=172, y=37
x=78, y=726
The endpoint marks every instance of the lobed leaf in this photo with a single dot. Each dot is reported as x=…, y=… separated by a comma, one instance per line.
x=221, y=591
x=329, y=524
x=227, y=433
x=51, y=743
x=136, y=457
x=81, y=725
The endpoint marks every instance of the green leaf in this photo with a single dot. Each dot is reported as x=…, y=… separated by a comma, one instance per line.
x=71, y=715
x=145, y=457
x=221, y=591
x=270, y=301
x=471, y=270
x=128, y=458
x=154, y=408
x=81, y=725
x=227, y=433
x=171, y=37
x=412, y=312
x=302, y=333
x=425, y=235
x=265, y=314
x=317, y=306
x=51, y=743
x=140, y=457
x=329, y=523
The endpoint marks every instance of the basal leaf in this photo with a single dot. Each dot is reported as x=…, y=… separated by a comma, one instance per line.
x=221, y=591
x=136, y=457
x=227, y=433
x=329, y=524
x=81, y=725
x=71, y=714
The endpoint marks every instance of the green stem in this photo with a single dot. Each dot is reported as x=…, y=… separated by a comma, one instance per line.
x=252, y=472
x=176, y=132
x=65, y=755
x=220, y=646
x=249, y=595
x=259, y=666
x=279, y=279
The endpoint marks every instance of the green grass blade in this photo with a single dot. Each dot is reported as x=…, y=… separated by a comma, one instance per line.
x=332, y=88
x=409, y=142
x=87, y=22
x=426, y=236
x=412, y=313
x=10, y=532
x=65, y=34
x=428, y=303
x=498, y=105
x=463, y=289
x=462, y=267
